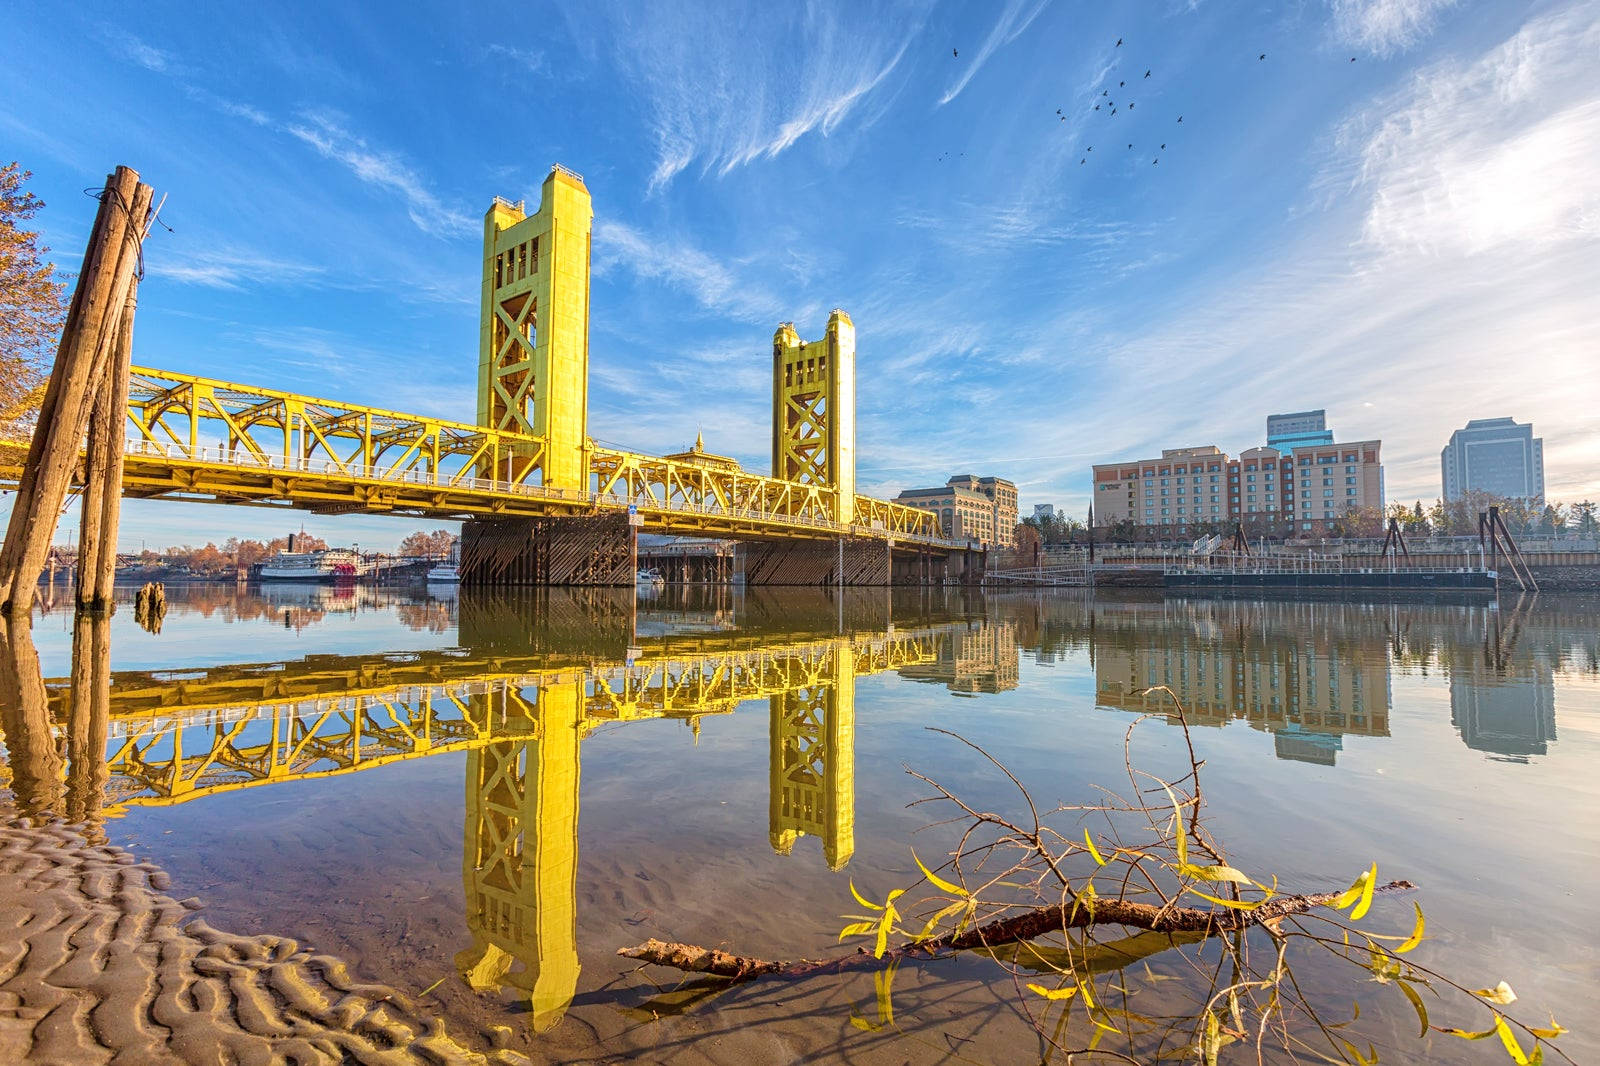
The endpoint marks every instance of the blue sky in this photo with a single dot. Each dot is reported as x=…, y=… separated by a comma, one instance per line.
x=1409, y=240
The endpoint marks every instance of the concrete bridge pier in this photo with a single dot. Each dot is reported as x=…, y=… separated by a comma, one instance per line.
x=580, y=550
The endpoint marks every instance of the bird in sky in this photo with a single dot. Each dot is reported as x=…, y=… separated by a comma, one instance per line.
x=1130, y=107
x=954, y=54
x=1081, y=162
x=1113, y=111
x=1130, y=146
x=1121, y=84
x=1352, y=59
x=1105, y=92
x=1119, y=42
x=1097, y=107
x=1058, y=111
x=1147, y=73
x=1163, y=148
x=1180, y=118
x=1091, y=148
x=1153, y=162
x=1263, y=55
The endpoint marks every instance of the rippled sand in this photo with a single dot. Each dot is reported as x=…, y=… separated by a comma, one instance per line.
x=98, y=965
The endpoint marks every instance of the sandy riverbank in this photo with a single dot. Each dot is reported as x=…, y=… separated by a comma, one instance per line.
x=98, y=965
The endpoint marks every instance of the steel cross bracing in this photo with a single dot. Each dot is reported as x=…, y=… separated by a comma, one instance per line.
x=201, y=439
x=173, y=738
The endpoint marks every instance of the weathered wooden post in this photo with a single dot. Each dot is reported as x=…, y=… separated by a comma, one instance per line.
x=102, y=484
x=94, y=318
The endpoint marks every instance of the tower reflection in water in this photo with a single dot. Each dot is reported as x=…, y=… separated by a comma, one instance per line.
x=532, y=679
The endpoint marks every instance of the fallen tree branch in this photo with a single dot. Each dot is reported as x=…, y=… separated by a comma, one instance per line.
x=1025, y=926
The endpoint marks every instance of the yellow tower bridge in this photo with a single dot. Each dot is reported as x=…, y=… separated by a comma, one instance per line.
x=543, y=503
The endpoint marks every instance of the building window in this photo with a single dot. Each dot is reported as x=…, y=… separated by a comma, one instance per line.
x=1349, y=481
x=1327, y=492
x=1349, y=492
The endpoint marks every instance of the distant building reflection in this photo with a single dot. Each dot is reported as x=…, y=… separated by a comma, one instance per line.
x=981, y=656
x=1308, y=689
x=1513, y=716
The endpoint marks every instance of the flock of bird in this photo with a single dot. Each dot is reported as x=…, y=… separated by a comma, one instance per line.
x=1110, y=107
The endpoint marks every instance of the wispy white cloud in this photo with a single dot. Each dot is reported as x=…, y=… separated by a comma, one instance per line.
x=1384, y=27
x=529, y=60
x=1496, y=154
x=383, y=169
x=138, y=51
x=1015, y=17
x=232, y=108
x=225, y=268
x=712, y=283
x=724, y=88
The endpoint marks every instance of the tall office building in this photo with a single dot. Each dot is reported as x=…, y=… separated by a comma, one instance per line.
x=1289, y=431
x=1499, y=456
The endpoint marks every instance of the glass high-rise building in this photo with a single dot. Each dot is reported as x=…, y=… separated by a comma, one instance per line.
x=1499, y=456
x=1288, y=431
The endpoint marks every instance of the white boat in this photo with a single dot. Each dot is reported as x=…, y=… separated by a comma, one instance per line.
x=650, y=579
x=330, y=565
x=444, y=573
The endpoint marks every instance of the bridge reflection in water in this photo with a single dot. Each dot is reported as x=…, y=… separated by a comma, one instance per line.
x=533, y=677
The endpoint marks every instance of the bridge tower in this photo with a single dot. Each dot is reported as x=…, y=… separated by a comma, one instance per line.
x=533, y=349
x=813, y=762
x=519, y=863
x=814, y=409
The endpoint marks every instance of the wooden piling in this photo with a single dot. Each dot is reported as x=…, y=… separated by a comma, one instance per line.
x=98, y=303
x=102, y=483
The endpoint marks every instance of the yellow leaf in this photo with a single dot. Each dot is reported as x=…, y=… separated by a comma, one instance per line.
x=1213, y=1039
x=1416, y=1003
x=863, y=1024
x=1555, y=1030
x=1214, y=873
x=1353, y=893
x=1180, y=843
x=857, y=929
x=1500, y=993
x=1094, y=853
x=1465, y=1035
x=1416, y=934
x=1359, y=911
x=1231, y=904
x=935, y=880
x=1066, y=992
x=884, y=926
x=862, y=899
x=1509, y=1039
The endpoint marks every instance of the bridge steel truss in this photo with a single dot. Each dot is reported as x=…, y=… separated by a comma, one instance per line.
x=173, y=738
x=203, y=439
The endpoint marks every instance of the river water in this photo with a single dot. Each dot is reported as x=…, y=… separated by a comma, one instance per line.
x=478, y=799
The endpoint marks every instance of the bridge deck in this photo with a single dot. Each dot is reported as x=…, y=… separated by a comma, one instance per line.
x=214, y=441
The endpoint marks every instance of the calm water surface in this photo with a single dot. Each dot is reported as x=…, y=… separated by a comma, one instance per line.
x=500, y=792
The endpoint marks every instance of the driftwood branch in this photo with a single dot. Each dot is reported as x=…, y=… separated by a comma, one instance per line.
x=1191, y=921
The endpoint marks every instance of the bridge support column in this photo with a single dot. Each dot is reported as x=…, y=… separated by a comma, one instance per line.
x=586, y=550
x=814, y=563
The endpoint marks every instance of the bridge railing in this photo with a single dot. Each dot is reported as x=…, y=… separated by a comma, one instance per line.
x=710, y=504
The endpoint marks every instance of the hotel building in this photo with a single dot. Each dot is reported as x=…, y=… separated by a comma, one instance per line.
x=979, y=508
x=1298, y=488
